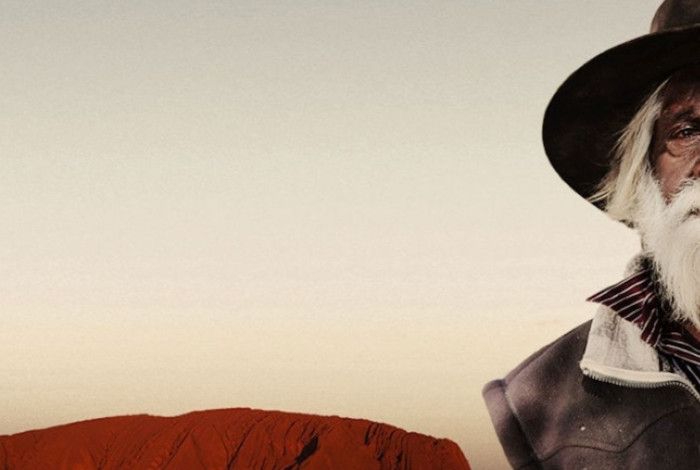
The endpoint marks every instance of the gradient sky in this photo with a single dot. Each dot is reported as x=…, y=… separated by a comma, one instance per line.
x=330, y=207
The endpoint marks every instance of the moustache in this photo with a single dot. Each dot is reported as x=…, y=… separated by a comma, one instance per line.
x=685, y=204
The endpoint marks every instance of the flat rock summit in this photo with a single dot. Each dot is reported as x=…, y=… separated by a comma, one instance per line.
x=237, y=438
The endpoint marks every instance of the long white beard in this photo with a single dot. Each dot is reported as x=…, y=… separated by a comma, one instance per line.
x=671, y=236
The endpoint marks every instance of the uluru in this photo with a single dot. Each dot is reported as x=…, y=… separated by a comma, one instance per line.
x=236, y=438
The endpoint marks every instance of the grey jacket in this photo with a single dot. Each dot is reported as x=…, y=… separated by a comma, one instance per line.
x=596, y=398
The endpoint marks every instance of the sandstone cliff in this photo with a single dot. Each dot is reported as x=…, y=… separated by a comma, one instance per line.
x=228, y=439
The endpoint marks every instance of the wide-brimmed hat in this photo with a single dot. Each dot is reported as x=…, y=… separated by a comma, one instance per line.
x=590, y=109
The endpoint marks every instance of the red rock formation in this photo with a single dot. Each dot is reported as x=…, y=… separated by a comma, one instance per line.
x=237, y=439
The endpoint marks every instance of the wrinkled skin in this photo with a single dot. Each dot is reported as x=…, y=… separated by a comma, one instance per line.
x=675, y=150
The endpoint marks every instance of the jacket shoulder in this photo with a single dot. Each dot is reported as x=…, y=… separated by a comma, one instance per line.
x=511, y=401
x=547, y=414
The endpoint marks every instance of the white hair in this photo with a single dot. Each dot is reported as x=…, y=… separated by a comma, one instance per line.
x=670, y=230
x=619, y=190
x=671, y=234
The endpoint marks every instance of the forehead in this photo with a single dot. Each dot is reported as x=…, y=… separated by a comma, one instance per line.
x=682, y=92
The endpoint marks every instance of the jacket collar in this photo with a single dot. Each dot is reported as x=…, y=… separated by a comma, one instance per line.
x=616, y=353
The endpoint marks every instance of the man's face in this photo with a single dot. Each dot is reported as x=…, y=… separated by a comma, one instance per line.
x=668, y=217
x=675, y=149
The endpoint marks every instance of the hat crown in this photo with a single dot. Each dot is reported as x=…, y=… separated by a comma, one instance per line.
x=676, y=14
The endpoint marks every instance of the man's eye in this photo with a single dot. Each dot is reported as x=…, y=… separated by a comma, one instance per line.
x=686, y=133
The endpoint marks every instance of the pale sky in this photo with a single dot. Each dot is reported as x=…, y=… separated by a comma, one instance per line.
x=329, y=207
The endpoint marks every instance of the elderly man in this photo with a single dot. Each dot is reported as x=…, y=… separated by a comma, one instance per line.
x=622, y=391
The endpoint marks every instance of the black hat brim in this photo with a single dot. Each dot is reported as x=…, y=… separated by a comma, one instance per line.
x=591, y=108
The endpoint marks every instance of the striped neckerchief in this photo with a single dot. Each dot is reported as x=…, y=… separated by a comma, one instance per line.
x=635, y=299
